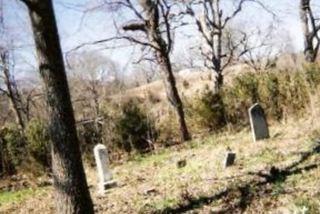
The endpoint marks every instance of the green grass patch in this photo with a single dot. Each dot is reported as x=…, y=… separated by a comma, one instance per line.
x=150, y=159
x=19, y=196
x=157, y=206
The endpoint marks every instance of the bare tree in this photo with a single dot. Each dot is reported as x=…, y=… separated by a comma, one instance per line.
x=213, y=24
x=144, y=72
x=156, y=13
x=188, y=59
x=260, y=51
x=12, y=91
x=71, y=189
x=152, y=30
x=90, y=71
x=311, y=28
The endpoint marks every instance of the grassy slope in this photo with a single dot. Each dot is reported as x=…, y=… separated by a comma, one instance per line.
x=154, y=183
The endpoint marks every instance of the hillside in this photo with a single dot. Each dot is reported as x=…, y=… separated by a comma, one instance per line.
x=159, y=107
x=190, y=82
x=279, y=175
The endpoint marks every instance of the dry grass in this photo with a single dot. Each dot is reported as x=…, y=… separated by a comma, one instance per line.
x=188, y=84
x=154, y=184
x=278, y=175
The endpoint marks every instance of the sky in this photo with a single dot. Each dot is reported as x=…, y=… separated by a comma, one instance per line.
x=76, y=27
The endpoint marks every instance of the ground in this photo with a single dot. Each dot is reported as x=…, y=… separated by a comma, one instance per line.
x=278, y=175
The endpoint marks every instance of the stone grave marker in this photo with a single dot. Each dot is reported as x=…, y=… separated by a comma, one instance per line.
x=104, y=173
x=229, y=159
x=181, y=163
x=258, y=123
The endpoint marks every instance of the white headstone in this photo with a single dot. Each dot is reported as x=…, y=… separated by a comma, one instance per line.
x=258, y=122
x=104, y=173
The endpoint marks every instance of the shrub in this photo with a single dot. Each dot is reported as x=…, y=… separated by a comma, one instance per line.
x=280, y=94
x=134, y=129
x=90, y=134
x=269, y=93
x=312, y=73
x=13, y=148
x=109, y=135
x=238, y=97
x=208, y=111
x=298, y=96
x=38, y=141
x=167, y=127
x=246, y=87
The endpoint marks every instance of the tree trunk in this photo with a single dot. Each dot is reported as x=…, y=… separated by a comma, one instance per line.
x=218, y=80
x=217, y=47
x=12, y=91
x=173, y=95
x=71, y=189
x=309, y=50
x=1, y=156
x=162, y=55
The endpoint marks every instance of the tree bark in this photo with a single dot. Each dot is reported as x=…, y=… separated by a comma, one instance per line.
x=218, y=80
x=71, y=189
x=12, y=91
x=217, y=57
x=1, y=156
x=162, y=55
x=310, y=51
x=173, y=95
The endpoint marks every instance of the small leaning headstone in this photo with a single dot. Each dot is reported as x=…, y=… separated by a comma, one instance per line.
x=104, y=173
x=181, y=163
x=258, y=123
x=229, y=159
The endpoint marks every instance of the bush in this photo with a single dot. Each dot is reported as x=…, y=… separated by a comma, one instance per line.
x=134, y=128
x=296, y=97
x=238, y=98
x=12, y=148
x=38, y=141
x=90, y=134
x=269, y=92
x=280, y=93
x=246, y=88
x=208, y=111
x=167, y=127
x=312, y=73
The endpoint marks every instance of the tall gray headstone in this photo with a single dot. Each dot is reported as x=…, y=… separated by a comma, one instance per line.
x=258, y=122
x=104, y=173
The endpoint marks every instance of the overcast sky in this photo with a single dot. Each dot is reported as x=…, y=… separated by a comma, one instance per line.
x=76, y=28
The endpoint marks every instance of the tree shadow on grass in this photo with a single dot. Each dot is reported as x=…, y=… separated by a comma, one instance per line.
x=246, y=195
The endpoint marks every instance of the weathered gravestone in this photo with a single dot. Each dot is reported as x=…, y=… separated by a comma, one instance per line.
x=258, y=122
x=229, y=159
x=181, y=163
x=104, y=173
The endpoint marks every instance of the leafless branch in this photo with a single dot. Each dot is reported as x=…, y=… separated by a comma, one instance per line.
x=98, y=42
x=4, y=91
x=238, y=9
x=134, y=27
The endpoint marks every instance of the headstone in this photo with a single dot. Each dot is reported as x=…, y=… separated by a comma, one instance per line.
x=258, y=122
x=229, y=159
x=181, y=163
x=150, y=191
x=104, y=173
